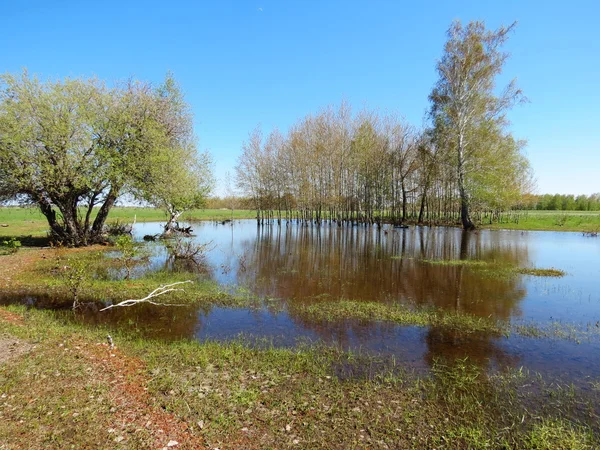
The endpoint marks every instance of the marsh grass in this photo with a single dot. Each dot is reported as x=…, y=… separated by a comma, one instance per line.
x=456, y=262
x=96, y=281
x=240, y=395
x=560, y=435
x=559, y=330
x=400, y=314
x=540, y=272
x=495, y=269
x=464, y=323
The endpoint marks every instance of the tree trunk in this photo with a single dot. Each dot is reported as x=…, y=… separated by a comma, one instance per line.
x=170, y=226
x=404, y=200
x=422, y=208
x=46, y=208
x=73, y=235
x=96, y=231
x=464, y=198
x=70, y=230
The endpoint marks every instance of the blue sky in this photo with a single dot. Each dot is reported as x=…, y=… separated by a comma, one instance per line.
x=241, y=63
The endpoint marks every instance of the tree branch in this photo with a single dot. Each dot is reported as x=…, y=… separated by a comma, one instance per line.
x=155, y=293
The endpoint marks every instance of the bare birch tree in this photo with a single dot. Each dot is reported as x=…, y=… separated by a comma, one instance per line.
x=464, y=101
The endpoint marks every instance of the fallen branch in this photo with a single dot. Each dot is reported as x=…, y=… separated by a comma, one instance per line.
x=155, y=293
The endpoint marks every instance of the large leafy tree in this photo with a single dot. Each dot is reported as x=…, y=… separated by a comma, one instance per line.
x=470, y=114
x=73, y=146
x=178, y=178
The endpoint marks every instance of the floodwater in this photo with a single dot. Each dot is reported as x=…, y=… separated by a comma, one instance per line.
x=293, y=263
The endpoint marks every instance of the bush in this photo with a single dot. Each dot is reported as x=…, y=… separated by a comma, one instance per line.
x=188, y=249
x=128, y=251
x=118, y=228
x=11, y=246
x=75, y=275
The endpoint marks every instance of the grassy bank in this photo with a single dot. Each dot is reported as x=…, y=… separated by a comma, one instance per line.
x=233, y=395
x=22, y=222
x=29, y=221
x=95, y=274
x=582, y=221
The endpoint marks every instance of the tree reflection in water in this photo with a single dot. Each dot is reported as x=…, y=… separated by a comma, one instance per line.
x=315, y=264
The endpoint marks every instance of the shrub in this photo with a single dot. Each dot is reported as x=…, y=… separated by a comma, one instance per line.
x=118, y=228
x=128, y=251
x=11, y=246
x=188, y=249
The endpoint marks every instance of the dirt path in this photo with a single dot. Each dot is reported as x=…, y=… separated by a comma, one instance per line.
x=133, y=409
x=12, y=348
x=132, y=412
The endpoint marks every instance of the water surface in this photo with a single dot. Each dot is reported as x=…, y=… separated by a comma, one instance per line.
x=293, y=263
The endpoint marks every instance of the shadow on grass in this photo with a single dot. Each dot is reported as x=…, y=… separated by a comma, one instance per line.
x=29, y=241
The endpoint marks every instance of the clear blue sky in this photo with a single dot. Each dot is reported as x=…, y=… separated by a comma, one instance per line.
x=242, y=63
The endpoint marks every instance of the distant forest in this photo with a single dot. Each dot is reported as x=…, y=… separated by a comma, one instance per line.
x=544, y=202
x=562, y=202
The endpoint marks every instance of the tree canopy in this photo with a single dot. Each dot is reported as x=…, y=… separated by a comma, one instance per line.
x=372, y=167
x=73, y=146
x=471, y=117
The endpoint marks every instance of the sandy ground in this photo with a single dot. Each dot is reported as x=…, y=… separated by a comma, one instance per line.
x=11, y=348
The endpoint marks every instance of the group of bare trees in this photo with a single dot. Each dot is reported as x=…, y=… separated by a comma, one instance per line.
x=332, y=166
x=364, y=168
x=373, y=167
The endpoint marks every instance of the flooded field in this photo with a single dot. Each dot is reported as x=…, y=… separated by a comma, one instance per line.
x=290, y=267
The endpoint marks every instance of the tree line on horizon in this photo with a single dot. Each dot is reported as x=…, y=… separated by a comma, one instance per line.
x=529, y=202
x=562, y=202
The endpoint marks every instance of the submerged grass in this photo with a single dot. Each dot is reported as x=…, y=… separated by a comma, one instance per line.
x=455, y=262
x=559, y=330
x=332, y=311
x=495, y=269
x=234, y=395
x=402, y=315
x=540, y=272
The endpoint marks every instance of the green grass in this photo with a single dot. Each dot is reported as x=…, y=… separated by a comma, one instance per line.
x=463, y=323
x=29, y=221
x=559, y=330
x=102, y=280
x=236, y=395
x=559, y=435
x=455, y=262
x=400, y=314
x=495, y=268
x=540, y=272
x=582, y=221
